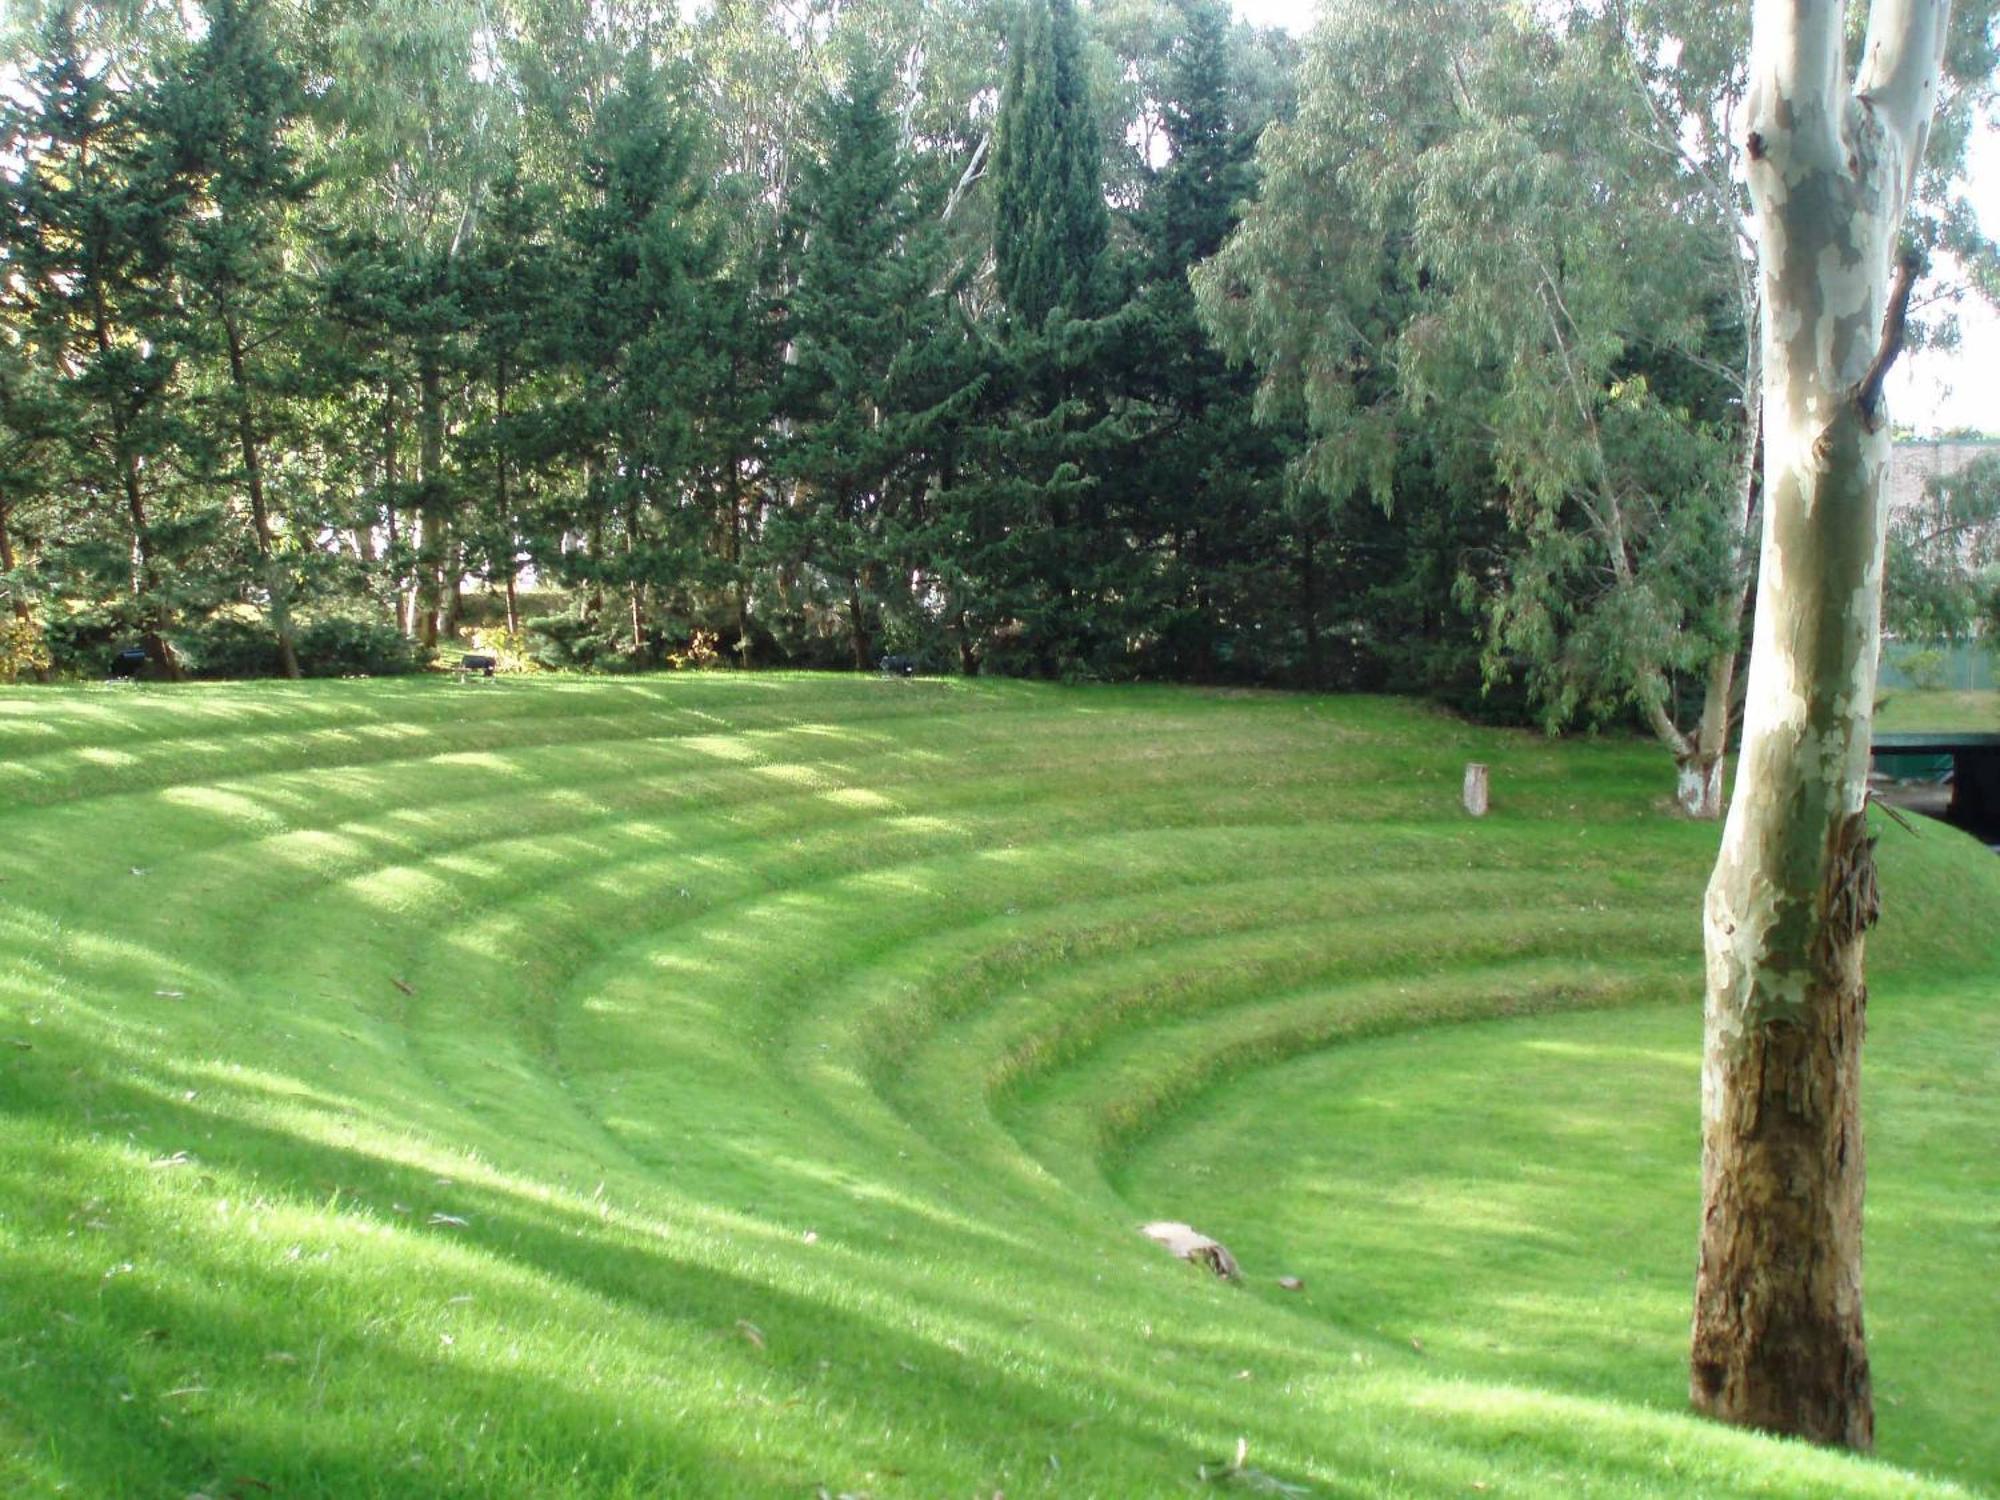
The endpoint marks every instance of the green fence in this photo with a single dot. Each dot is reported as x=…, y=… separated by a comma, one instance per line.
x=1965, y=668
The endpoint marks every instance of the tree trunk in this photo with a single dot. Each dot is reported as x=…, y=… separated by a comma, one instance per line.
x=145, y=567
x=1778, y=1336
x=8, y=562
x=635, y=588
x=1309, y=608
x=431, y=545
x=736, y=562
x=1699, y=789
x=858, y=622
x=391, y=484
x=275, y=582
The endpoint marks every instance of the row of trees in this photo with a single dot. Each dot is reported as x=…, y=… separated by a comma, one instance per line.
x=1132, y=343
x=342, y=312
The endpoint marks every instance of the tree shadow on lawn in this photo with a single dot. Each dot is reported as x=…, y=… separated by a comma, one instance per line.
x=717, y=1379
x=734, y=1351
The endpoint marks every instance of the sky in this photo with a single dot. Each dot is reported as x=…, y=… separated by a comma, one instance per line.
x=1930, y=390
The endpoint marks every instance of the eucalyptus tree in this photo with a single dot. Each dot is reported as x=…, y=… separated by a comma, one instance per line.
x=1944, y=556
x=1832, y=157
x=1471, y=241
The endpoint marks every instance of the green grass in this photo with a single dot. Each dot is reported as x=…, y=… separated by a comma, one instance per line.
x=1902, y=710
x=737, y=1086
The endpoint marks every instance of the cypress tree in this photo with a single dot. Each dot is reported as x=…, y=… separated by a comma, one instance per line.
x=1050, y=223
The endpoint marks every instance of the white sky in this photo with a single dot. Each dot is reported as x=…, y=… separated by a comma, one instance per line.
x=1929, y=390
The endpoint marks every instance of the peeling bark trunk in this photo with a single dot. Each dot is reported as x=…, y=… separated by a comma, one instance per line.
x=1778, y=1335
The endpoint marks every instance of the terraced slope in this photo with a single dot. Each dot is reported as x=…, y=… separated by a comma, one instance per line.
x=724, y=1086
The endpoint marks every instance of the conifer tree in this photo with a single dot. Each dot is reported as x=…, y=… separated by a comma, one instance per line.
x=218, y=121
x=1050, y=223
x=650, y=268
x=88, y=227
x=868, y=393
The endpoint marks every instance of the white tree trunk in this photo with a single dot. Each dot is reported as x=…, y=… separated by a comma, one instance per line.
x=1778, y=1339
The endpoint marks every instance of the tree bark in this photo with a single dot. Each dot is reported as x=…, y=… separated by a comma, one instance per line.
x=260, y=512
x=858, y=623
x=8, y=562
x=391, y=482
x=145, y=566
x=1778, y=1335
x=431, y=546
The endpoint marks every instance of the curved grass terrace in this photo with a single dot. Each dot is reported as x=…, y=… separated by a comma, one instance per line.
x=722, y=1085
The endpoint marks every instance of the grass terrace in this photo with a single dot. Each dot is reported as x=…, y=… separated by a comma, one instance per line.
x=751, y=1086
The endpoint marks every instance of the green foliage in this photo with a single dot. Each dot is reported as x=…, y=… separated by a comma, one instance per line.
x=1943, y=563
x=1051, y=226
x=350, y=646
x=1475, y=243
x=24, y=650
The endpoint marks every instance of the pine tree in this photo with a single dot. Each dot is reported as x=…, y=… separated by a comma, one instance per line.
x=650, y=269
x=219, y=120
x=867, y=395
x=1201, y=484
x=88, y=227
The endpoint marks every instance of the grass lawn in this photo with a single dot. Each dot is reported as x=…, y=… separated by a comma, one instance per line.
x=720, y=1086
x=1902, y=710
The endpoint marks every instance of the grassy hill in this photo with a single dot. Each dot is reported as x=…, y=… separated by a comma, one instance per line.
x=752, y=1085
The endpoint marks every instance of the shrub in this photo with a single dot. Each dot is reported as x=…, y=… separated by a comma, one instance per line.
x=576, y=643
x=1925, y=668
x=24, y=651
x=699, y=651
x=227, y=646
x=349, y=646
x=508, y=648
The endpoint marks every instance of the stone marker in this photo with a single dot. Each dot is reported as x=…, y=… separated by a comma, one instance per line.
x=1190, y=1244
x=1475, y=789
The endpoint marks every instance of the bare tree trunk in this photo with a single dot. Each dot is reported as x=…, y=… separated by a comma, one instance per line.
x=431, y=528
x=1701, y=769
x=145, y=567
x=275, y=582
x=1778, y=1336
x=635, y=589
x=391, y=484
x=736, y=562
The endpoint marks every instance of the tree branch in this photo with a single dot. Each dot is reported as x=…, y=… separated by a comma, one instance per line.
x=1895, y=331
x=1898, y=77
